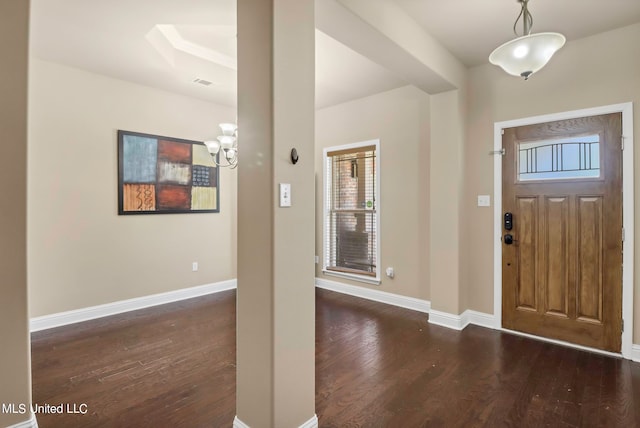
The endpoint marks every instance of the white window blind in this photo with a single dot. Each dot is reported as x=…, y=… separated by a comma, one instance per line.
x=351, y=210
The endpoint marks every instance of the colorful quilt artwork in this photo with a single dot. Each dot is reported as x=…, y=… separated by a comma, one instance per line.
x=162, y=175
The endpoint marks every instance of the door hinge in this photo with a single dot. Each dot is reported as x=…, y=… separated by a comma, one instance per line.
x=622, y=143
x=623, y=234
x=502, y=132
x=623, y=326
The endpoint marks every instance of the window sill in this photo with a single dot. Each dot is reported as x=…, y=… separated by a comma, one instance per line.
x=353, y=277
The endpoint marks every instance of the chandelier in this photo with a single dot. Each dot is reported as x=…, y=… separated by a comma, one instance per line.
x=528, y=53
x=226, y=145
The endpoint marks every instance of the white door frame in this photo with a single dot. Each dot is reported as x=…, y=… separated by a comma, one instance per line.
x=627, y=209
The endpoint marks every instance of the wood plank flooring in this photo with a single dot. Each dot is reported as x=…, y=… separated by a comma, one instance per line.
x=376, y=366
x=168, y=366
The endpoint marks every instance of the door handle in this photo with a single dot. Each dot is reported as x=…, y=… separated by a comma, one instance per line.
x=508, y=239
x=508, y=225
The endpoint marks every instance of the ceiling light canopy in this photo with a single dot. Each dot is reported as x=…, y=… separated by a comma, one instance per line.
x=528, y=53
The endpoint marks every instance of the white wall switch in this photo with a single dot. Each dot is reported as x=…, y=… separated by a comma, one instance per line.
x=484, y=200
x=194, y=267
x=285, y=194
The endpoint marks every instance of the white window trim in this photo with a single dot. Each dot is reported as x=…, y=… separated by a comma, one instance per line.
x=354, y=276
x=325, y=212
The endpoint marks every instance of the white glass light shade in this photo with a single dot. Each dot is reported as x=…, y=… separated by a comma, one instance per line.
x=527, y=54
x=226, y=141
x=212, y=146
x=230, y=154
x=228, y=128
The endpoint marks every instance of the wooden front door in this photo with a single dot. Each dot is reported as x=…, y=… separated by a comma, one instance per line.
x=562, y=253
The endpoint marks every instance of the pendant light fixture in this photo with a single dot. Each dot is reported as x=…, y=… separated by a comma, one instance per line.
x=528, y=53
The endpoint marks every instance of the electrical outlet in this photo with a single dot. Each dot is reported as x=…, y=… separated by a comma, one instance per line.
x=194, y=267
x=317, y=259
x=390, y=272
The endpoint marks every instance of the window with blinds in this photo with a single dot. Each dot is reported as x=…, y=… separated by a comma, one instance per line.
x=351, y=209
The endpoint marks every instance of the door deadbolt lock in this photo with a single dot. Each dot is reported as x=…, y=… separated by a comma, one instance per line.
x=508, y=221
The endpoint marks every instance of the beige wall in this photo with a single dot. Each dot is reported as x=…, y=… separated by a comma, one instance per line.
x=80, y=252
x=15, y=361
x=275, y=384
x=446, y=170
x=294, y=280
x=400, y=119
x=590, y=72
x=455, y=269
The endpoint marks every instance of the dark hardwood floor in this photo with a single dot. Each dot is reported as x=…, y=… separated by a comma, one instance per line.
x=168, y=366
x=376, y=366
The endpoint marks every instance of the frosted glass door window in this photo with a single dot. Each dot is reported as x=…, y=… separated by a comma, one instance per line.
x=576, y=157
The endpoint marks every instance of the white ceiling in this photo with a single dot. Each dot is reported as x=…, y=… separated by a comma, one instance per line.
x=471, y=29
x=343, y=75
x=109, y=37
x=121, y=38
x=168, y=43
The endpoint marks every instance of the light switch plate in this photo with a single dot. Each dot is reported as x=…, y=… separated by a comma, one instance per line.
x=484, y=200
x=285, y=194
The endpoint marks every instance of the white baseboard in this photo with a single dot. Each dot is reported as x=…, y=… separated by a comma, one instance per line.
x=480, y=319
x=445, y=319
x=459, y=322
x=311, y=423
x=93, y=312
x=237, y=423
x=376, y=295
x=31, y=423
x=635, y=353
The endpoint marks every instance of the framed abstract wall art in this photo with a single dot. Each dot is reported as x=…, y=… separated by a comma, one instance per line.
x=163, y=175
